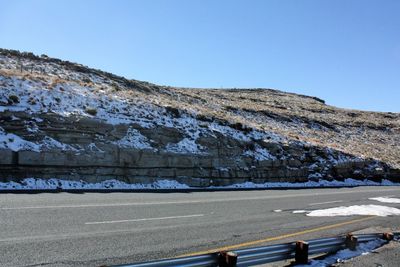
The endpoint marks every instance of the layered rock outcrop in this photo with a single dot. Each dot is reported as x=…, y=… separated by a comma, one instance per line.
x=63, y=120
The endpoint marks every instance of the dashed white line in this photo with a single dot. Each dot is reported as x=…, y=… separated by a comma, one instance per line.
x=126, y=204
x=147, y=219
x=322, y=203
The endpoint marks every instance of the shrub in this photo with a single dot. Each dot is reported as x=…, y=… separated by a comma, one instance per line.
x=203, y=117
x=173, y=111
x=250, y=146
x=115, y=87
x=86, y=80
x=32, y=101
x=91, y=111
x=240, y=127
x=13, y=99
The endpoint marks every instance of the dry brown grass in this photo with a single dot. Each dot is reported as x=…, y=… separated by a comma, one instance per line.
x=367, y=134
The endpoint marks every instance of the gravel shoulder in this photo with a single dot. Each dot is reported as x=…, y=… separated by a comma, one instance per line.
x=387, y=256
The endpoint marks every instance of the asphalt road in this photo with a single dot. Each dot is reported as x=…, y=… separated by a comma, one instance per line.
x=92, y=229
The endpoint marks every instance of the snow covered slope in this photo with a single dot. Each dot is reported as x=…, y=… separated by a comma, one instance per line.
x=66, y=120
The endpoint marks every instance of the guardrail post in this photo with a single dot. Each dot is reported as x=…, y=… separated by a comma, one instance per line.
x=388, y=236
x=227, y=259
x=351, y=242
x=301, y=255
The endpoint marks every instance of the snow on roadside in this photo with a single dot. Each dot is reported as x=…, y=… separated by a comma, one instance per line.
x=33, y=183
x=38, y=183
x=376, y=210
x=386, y=199
x=345, y=254
x=319, y=183
x=299, y=211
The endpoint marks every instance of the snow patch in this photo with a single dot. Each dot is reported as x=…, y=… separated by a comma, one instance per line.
x=319, y=183
x=92, y=147
x=259, y=154
x=134, y=139
x=376, y=210
x=16, y=143
x=49, y=142
x=386, y=199
x=186, y=145
x=299, y=211
x=345, y=254
x=315, y=176
x=38, y=183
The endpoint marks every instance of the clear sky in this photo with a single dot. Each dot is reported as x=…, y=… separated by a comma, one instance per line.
x=346, y=52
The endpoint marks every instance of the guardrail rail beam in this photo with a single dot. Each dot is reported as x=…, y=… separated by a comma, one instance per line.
x=299, y=250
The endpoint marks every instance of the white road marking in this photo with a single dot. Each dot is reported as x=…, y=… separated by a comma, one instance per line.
x=192, y=201
x=322, y=203
x=148, y=219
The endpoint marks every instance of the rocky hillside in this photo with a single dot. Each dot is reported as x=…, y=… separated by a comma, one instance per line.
x=64, y=120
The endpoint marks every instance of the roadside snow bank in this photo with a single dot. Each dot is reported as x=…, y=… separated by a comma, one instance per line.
x=376, y=210
x=320, y=183
x=38, y=183
x=33, y=183
x=345, y=254
x=386, y=199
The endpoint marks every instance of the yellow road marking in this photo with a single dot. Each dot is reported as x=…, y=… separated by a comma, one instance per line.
x=269, y=239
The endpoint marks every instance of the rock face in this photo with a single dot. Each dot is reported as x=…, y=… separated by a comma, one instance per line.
x=63, y=120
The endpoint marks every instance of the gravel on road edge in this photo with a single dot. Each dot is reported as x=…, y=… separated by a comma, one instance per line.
x=385, y=256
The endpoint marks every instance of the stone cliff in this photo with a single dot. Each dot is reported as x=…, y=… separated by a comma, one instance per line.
x=63, y=120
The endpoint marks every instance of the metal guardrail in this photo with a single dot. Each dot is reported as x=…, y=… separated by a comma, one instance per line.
x=299, y=251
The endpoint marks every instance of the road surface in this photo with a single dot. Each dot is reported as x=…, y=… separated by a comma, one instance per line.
x=93, y=229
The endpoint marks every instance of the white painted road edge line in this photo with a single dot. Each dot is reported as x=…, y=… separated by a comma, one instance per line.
x=322, y=203
x=147, y=219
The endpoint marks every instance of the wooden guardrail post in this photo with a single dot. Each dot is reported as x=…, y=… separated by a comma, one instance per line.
x=388, y=236
x=351, y=241
x=301, y=254
x=227, y=259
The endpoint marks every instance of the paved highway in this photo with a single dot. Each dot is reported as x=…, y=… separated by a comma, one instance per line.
x=92, y=229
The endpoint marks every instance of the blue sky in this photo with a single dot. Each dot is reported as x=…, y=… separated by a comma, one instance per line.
x=346, y=52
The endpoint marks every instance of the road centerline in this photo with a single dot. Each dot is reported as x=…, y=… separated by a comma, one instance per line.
x=146, y=219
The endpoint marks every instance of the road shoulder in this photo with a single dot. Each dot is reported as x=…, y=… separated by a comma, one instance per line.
x=387, y=255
